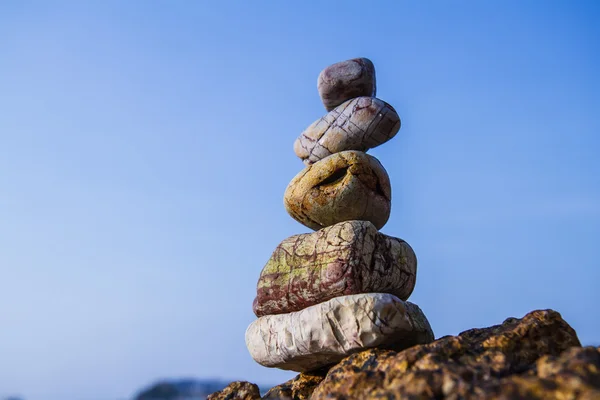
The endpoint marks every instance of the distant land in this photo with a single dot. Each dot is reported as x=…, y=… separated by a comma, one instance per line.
x=172, y=389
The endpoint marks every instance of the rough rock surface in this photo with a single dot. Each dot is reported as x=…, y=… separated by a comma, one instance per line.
x=345, y=186
x=454, y=366
x=327, y=332
x=536, y=357
x=299, y=388
x=358, y=124
x=237, y=391
x=347, y=258
x=345, y=80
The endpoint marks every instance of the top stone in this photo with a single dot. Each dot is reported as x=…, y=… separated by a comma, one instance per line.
x=346, y=80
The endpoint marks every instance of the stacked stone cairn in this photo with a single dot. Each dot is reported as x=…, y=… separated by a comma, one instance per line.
x=343, y=288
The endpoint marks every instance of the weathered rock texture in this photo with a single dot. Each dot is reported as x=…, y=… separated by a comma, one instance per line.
x=299, y=388
x=536, y=357
x=357, y=124
x=345, y=186
x=237, y=391
x=327, y=332
x=347, y=258
x=345, y=80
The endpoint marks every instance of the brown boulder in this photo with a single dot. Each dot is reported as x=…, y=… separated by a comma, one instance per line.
x=463, y=366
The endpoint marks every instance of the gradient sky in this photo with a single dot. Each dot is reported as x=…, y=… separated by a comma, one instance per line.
x=145, y=147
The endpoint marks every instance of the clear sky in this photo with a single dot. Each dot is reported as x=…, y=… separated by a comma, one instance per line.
x=145, y=147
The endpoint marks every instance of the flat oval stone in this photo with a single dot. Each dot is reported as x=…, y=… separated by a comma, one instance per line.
x=327, y=332
x=346, y=186
x=358, y=124
x=346, y=80
x=343, y=259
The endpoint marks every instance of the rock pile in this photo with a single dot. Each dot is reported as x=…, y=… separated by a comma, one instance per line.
x=537, y=357
x=342, y=289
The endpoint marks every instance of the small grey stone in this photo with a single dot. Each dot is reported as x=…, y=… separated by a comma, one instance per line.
x=346, y=80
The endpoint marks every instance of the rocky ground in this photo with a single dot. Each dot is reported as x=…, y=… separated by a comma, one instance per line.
x=536, y=357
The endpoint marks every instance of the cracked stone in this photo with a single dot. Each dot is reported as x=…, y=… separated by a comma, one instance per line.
x=347, y=258
x=357, y=124
x=327, y=332
x=346, y=80
x=346, y=186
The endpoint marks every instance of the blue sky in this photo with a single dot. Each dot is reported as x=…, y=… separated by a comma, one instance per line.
x=145, y=147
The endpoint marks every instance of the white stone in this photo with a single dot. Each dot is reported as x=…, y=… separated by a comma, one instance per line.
x=325, y=333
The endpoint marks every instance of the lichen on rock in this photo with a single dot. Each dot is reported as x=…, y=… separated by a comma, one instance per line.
x=239, y=390
x=347, y=258
x=299, y=388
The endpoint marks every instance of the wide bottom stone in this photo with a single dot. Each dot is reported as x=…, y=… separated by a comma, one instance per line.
x=325, y=333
